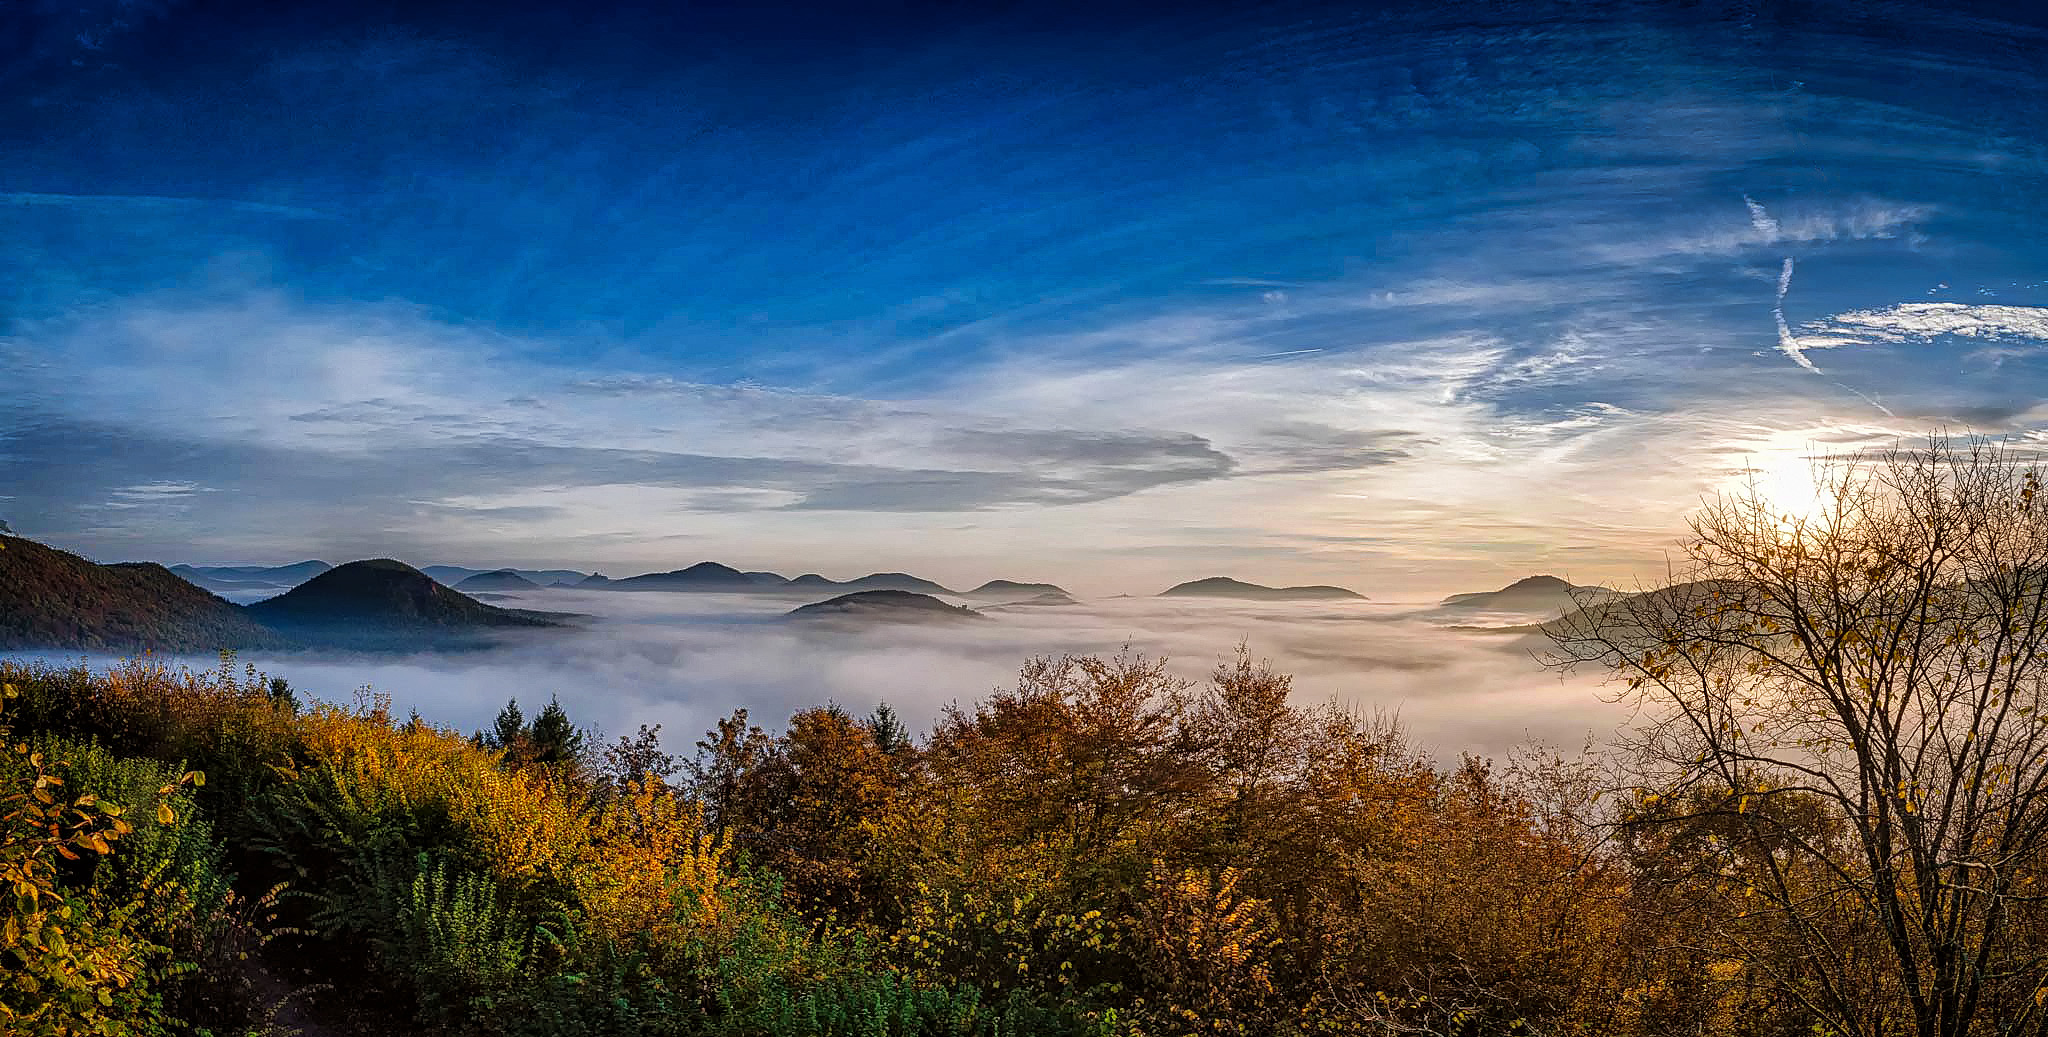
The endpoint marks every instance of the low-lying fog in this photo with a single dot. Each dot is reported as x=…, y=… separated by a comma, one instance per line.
x=682, y=660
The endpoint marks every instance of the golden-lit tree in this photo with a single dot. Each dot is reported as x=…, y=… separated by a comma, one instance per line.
x=1855, y=696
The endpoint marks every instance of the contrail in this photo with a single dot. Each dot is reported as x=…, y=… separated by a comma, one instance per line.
x=1787, y=342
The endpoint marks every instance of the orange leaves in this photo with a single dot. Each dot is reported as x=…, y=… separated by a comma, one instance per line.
x=1207, y=945
x=650, y=870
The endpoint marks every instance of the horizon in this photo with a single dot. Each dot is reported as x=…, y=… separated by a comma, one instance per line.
x=1400, y=301
x=954, y=585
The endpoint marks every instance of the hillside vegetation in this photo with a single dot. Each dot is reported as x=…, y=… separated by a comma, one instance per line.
x=51, y=598
x=55, y=599
x=1103, y=849
x=1831, y=819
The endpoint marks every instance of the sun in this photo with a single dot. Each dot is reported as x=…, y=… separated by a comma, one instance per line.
x=1789, y=481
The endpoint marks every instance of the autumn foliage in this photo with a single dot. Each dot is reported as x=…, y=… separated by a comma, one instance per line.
x=1104, y=848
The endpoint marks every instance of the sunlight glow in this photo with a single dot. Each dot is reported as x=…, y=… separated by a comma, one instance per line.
x=1787, y=478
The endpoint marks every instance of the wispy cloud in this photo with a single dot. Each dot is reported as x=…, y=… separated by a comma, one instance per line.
x=135, y=202
x=1927, y=321
x=1787, y=342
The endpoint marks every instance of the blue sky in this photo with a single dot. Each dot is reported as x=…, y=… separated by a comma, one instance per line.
x=1388, y=298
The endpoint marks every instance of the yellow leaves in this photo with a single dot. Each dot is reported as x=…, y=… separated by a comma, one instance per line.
x=164, y=814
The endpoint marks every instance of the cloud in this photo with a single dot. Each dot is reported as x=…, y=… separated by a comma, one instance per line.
x=1761, y=219
x=1927, y=321
x=1787, y=342
x=1808, y=224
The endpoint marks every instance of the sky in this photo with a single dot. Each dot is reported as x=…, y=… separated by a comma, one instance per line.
x=1410, y=299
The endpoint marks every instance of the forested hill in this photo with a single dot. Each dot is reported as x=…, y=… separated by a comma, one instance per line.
x=55, y=599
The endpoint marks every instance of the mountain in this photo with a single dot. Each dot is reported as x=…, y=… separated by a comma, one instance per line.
x=1036, y=600
x=1531, y=594
x=383, y=603
x=594, y=581
x=704, y=576
x=55, y=599
x=712, y=576
x=250, y=577
x=503, y=580
x=453, y=575
x=1011, y=590
x=894, y=582
x=1225, y=587
x=885, y=606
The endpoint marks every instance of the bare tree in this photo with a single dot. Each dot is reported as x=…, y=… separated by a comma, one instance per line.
x=1854, y=701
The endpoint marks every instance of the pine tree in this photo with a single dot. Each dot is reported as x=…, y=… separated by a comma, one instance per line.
x=888, y=732
x=510, y=729
x=555, y=739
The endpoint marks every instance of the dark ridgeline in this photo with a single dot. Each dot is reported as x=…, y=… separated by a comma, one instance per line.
x=1225, y=587
x=716, y=577
x=225, y=579
x=501, y=580
x=719, y=578
x=1011, y=590
x=1530, y=594
x=54, y=599
x=384, y=603
x=884, y=606
x=704, y=576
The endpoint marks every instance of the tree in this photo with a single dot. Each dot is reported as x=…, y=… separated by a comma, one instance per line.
x=554, y=739
x=720, y=775
x=1857, y=698
x=817, y=797
x=888, y=732
x=638, y=757
x=509, y=728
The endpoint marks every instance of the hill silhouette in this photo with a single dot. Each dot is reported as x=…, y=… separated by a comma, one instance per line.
x=704, y=576
x=499, y=580
x=1011, y=590
x=55, y=599
x=225, y=578
x=1530, y=594
x=453, y=575
x=894, y=582
x=884, y=605
x=1225, y=587
x=1035, y=601
x=720, y=578
x=384, y=603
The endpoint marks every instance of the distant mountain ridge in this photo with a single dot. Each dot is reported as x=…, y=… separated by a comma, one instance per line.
x=1543, y=593
x=386, y=594
x=231, y=578
x=706, y=576
x=500, y=580
x=717, y=577
x=1012, y=590
x=884, y=606
x=1225, y=587
x=453, y=575
x=55, y=599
